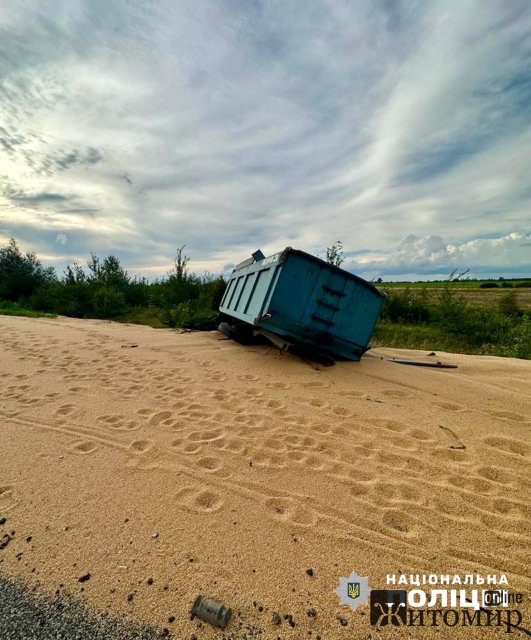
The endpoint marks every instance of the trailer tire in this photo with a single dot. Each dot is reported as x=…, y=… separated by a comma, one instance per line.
x=239, y=332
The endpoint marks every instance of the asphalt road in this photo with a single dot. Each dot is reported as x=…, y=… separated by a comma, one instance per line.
x=26, y=615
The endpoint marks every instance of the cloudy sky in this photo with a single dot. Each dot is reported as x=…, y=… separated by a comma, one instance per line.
x=401, y=128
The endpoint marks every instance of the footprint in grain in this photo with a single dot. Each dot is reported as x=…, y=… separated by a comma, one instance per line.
x=390, y=425
x=234, y=445
x=119, y=422
x=275, y=405
x=321, y=427
x=509, y=507
x=316, y=402
x=314, y=462
x=254, y=392
x=200, y=499
x=287, y=509
x=509, y=415
x=341, y=411
x=206, y=435
x=396, y=393
x=7, y=496
x=351, y=394
x=216, y=377
x=83, y=447
x=278, y=385
x=141, y=446
x=296, y=456
x=421, y=435
x=265, y=459
x=209, y=463
x=145, y=413
x=192, y=448
x=300, y=441
x=471, y=483
x=458, y=456
x=495, y=474
x=66, y=410
x=161, y=417
x=399, y=521
x=207, y=501
x=449, y=406
x=506, y=445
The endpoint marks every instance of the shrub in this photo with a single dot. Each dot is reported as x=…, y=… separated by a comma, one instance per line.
x=46, y=298
x=488, y=285
x=109, y=302
x=190, y=315
x=508, y=305
x=137, y=294
x=406, y=306
x=518, y=342
x=75, y=300
x=21, y=275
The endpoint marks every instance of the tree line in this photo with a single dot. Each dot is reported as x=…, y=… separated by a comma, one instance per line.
x=104, y=289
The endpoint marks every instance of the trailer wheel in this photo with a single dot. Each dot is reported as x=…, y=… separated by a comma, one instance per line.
x=239, y=332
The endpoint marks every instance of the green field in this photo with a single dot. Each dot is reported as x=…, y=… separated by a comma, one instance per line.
x=461, y=284
x=469, y=291
x=456, y=316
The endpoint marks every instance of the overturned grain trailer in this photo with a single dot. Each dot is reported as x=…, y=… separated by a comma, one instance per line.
x=301, y=302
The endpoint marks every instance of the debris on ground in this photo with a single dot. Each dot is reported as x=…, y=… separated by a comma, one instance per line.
x=211, y=611
x=424, y=363
x=6, y=539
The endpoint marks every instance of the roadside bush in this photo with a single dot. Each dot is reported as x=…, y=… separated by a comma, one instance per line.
x=481, y=326
x=508, y=305
x=75, y=300
x=21, y=275
x=45, y=299
x=137, y=293
x=109, y=302
x=518, y=341
x=406, y=306
x=450, y=309
x=190, y=315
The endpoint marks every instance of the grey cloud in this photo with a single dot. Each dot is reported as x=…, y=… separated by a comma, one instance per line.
x=89, y=210
x=62, y=160
x=39, y=198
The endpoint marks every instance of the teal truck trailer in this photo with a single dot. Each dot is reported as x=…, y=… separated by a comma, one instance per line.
x=301, y=302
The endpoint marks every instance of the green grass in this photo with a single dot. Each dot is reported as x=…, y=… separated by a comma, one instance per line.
x=148, y=316
x=422, y=337
x=451, y=319
x=13, y=309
